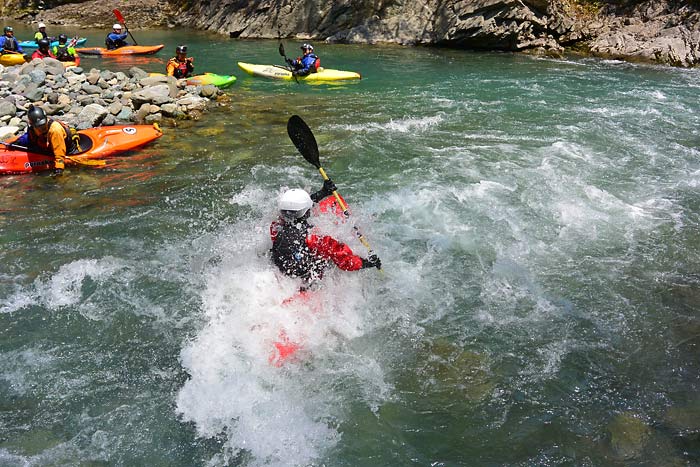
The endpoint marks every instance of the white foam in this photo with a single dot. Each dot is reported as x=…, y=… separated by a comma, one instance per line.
x=277, y=415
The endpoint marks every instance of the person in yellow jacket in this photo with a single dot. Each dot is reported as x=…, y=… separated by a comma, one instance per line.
x=41, y=33
x=180, y=66
x=47, y=136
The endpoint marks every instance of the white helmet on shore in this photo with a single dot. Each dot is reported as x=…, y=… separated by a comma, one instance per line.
x=117, y=26
x=294, y=203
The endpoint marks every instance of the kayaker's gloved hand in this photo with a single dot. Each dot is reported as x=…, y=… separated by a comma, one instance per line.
x=328, y=187
x=372, y=262
x=327, y=190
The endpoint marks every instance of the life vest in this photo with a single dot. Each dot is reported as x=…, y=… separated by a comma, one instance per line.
x=39, y=54
x=182, y=69
x=61, y=53
x=313, y=68
x=11, y=44
x=112, y=44
x=40, y=35
x=292, y=255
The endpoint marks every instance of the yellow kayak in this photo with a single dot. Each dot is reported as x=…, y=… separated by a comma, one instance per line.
x=11, y=59
x=280, y=72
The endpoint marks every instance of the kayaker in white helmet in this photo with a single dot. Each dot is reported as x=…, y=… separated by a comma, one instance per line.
x=307, y=63
x=298, y=249
x=116, y=38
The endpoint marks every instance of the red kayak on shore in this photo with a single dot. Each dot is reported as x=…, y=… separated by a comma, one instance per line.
x=94, y=143
x=126, y=50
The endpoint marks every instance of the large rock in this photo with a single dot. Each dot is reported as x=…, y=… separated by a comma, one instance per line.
x=158, y=95
x=7, y=108
x=91, y=115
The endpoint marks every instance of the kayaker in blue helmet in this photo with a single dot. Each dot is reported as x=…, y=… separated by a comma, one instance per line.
x=298, y=249
x=8, y=42
x=308, y=63
x=116, y=38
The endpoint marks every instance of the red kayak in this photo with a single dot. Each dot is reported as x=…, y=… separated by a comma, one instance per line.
x=126, y=50
x=94, y=143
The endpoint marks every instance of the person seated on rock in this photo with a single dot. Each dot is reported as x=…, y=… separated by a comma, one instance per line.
x=180, y=66
x=8, y=42
x=41, y=33
x=47, y=136
x=43, y=50
x=308, y=63
x=116, y=38
x=62, y=51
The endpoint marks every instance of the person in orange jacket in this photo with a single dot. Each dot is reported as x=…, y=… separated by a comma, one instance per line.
x=299, y=250
x=180, y=66
x=47, y=136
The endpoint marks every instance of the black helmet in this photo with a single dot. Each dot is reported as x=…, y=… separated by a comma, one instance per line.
x=62, y=38
x=43, y=44
x=36, y=116
x=8, y=29
x=181, y=49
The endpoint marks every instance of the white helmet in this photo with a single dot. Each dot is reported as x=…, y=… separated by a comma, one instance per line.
x=295, y=203
x=117, y=26
x=41, y=25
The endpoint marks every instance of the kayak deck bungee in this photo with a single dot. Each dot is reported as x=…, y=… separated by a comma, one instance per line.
x=11, y=59
x=34, y=45
x=126, y=50
x=280, y=72
x=94, y=143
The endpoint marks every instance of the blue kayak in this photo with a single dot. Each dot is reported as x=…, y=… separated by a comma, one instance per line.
x=34, y=45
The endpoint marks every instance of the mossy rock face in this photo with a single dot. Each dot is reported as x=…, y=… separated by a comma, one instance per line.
x=629, y=435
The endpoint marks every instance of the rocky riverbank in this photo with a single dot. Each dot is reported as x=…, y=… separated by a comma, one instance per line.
x=96, y=97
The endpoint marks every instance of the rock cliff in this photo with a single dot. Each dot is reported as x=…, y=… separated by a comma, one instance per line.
x=665, y=31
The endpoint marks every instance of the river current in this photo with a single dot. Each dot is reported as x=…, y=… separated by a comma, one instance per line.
x=537, y=220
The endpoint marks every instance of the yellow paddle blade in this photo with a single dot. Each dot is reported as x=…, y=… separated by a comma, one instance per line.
x=87, y=162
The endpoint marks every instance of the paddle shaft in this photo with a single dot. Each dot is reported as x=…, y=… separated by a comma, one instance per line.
x=120, y=18
x=342, y=205
x=286, y=60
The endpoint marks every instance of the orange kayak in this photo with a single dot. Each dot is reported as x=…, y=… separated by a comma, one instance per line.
x=95, y=143
x=126, y=50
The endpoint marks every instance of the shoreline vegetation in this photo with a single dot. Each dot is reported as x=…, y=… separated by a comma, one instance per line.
x=654, y=31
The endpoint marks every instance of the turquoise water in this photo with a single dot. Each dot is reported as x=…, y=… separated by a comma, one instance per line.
x=538, y=223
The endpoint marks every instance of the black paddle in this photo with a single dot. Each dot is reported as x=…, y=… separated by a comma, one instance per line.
x=305, y=142
x=288, y=61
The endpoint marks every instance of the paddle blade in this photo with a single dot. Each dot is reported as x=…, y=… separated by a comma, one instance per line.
x=119, y=16
x=302, y=137
x=281, y=50
x=87, y=162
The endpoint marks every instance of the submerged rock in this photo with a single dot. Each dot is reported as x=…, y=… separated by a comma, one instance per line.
x=629, y=435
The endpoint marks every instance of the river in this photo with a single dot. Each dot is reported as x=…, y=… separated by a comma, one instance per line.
x=537, y=220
